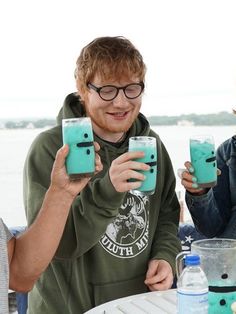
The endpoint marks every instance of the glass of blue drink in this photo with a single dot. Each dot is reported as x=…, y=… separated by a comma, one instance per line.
x=78, y=134
x=203, y=160
x=146, y=144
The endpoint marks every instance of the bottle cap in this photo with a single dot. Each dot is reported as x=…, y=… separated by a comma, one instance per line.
x=192, y=259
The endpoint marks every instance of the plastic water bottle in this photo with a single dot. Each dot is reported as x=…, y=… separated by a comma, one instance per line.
x=192, y=288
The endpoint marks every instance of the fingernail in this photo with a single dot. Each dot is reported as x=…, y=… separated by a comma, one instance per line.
x=195, y=185
x=191, y=169
x=194, y=179
x=64, y=147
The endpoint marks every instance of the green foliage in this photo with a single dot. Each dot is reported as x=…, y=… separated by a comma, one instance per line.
x=221, y=118
x=42, y=123
x=217, y=119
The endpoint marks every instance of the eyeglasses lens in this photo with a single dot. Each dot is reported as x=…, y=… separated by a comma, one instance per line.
x=110, y=92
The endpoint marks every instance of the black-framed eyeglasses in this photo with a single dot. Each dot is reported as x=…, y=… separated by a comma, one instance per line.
x=109, y=92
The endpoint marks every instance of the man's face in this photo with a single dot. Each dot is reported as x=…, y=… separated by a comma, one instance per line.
x=114, y=116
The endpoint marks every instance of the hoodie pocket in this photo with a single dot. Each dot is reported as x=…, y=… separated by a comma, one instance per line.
x=111, y=291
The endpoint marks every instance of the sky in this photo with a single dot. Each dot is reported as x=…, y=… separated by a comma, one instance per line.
x=189, y=48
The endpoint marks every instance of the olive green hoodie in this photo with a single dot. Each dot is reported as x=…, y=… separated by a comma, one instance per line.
x=109, y=236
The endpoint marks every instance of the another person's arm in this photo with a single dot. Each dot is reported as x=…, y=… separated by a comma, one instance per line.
x=209, y=208
x=35, y=248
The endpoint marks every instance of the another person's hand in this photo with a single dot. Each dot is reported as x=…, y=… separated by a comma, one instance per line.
x=188, y=180
x=124, y=168
x=61, y=180
x=159, y=275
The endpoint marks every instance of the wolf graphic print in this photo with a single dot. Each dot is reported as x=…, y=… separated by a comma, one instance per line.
x=127, y=235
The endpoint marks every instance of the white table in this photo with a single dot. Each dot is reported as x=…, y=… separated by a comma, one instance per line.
x=161, y=302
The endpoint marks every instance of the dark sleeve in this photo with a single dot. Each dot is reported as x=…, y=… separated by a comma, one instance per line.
x=225, y=191
x=205, y=213
x=211, y=212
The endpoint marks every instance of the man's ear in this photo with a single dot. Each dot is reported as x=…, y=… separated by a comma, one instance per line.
x=80, y=91
x=78, y=87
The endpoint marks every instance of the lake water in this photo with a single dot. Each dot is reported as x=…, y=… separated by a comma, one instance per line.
x=15, y=145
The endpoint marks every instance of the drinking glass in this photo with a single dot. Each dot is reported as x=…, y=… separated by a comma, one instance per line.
x=146, y=144
x=78, y=134
x=203, y=160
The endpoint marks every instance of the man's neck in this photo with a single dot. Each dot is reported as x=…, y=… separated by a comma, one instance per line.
x=112, y=138
x=109, y=136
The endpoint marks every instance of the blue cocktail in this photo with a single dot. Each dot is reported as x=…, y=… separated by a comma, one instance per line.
x=78, y=134
x=203, y=159
x=146, y=144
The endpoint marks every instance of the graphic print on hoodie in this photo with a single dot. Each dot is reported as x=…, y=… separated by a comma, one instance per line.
x=127, y=235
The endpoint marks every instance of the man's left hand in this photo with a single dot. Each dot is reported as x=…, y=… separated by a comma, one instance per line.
x=159, y=275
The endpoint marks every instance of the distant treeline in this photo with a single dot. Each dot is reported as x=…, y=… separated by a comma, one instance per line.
x=221, y=118
x=42, y=123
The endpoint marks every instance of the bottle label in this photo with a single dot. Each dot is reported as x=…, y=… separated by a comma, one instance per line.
x=192, y=302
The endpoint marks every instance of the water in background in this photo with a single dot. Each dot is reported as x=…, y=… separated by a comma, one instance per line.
x=15, y=145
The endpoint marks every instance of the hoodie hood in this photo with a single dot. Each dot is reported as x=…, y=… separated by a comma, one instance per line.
x=72, y=108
